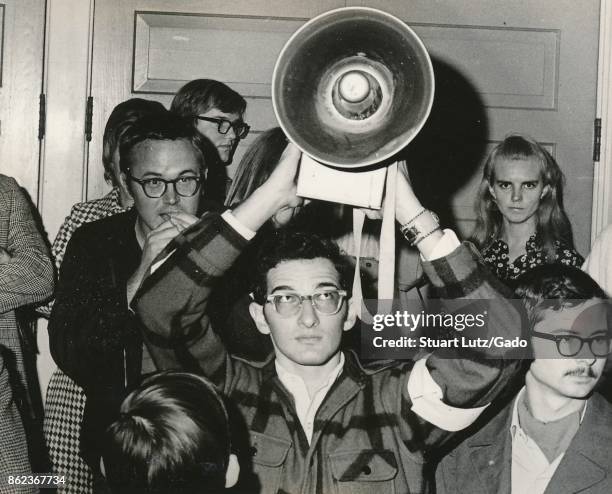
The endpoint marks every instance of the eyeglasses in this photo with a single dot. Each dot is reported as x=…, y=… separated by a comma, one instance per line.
x=156, y=187
x=570, y=345
x=223, y=126
x=327, y=302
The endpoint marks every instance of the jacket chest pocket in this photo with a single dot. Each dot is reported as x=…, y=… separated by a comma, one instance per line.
x=268, y=455
x=364, y=471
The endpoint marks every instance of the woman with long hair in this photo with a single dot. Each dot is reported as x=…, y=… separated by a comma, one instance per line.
x=521, y=222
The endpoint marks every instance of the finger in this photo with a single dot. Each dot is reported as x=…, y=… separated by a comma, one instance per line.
x=184, y=220
x=291, y=152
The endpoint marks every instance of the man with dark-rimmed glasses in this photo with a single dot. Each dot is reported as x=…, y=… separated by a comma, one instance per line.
x=319, y=420
x=216, y=111
x=93, y=336
x=556, y=434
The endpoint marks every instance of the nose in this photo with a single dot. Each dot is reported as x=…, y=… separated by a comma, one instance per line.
x=517, y=194
x=170, y=196
x=586, y=356
x=308, y=315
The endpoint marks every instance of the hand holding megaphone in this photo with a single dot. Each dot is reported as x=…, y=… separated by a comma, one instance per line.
x=276, y=193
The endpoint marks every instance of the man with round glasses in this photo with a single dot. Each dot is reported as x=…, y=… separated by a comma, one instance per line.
x=318, y=419
x=93, y=335
x=555, y=436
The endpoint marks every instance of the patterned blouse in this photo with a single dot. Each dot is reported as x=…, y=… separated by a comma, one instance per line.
x=496, y=257
x=81, y=213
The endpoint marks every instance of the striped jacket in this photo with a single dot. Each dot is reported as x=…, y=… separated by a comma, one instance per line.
x=366, y=437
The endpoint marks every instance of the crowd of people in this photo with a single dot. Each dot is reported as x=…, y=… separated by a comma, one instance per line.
x=201, y=327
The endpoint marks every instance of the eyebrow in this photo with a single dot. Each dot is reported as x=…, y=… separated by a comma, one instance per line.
x=498, y=180
x=287, y=288
x=157, y=174
x=573, y=332
x=223, y=117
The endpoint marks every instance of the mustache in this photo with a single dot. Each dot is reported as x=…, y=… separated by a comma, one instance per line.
x=581, y=372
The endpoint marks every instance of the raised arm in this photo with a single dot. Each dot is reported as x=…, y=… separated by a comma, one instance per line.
x=26, y=270
x=449, y=389
x=172, y=301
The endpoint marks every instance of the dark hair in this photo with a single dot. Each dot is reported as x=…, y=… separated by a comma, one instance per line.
x=258, y=162
x=172, y=436
x=288, y=244
x=552, y=222
x=555, y=286
x=121, y=118
x=200, y=95
x=164, y=126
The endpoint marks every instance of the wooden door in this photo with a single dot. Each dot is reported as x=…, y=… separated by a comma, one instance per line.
x=150, y=48
x=527, y=66
x=21, y=65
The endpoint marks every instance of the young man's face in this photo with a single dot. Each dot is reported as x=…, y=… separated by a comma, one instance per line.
x=154, y=159
x=225, y=143
x=569, y=377
x=306, y=338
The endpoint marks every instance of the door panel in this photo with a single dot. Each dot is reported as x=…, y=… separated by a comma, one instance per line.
x=21, y=62
x=501, y=67
x=533, y=66
x=149, y=49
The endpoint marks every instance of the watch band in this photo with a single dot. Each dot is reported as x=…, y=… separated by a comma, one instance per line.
x=420, y=226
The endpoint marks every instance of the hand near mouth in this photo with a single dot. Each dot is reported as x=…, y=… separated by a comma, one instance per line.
x=180, y=220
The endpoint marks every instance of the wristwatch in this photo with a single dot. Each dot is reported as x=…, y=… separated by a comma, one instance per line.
x=420, y=226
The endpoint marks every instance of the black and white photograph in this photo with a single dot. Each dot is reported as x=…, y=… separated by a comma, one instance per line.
x=305, y=246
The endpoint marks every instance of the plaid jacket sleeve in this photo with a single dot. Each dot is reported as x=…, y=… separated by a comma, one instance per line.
x=28, y=278
x=474, y=377
x=469, y=378
x=172, y=302
x=14, y=450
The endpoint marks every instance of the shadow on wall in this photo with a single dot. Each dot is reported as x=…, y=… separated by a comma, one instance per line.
x=452, y=144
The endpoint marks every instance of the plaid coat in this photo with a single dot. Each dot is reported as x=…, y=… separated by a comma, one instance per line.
x=13, y=450
x=366, y=437
x=29, y=277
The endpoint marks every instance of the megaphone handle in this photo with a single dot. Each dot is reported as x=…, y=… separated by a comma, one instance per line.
x=362, y=311
x=386, y=264
x=386, y=258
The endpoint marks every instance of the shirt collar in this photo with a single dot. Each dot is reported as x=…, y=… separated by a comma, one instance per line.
x=515, y=425
x=286, y=376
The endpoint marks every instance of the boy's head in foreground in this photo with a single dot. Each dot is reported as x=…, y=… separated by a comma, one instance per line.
x=172, y=436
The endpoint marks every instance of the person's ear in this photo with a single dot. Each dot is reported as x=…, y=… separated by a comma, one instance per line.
x=351, y=315
x=545, y=191
x=232, y=472
x=257, y=313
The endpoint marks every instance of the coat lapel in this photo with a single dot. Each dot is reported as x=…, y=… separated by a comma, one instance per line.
x=491, y=457
x=588, y=460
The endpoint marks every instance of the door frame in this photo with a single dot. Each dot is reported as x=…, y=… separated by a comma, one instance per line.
x=602, y=173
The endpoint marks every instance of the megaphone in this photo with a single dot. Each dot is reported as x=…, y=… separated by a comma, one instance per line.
x=351, y=88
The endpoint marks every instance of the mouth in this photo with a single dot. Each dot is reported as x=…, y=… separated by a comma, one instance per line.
x=308, y=340
x=581, y=374
x=170, y=211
